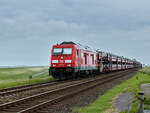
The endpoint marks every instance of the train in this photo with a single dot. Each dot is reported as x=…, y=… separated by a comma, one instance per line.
x=71, y=60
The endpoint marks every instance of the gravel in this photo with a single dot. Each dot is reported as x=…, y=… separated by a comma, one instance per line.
x=146, y=111
x=23, y=94
x=146, y=88
x=84, y=98
x=123, y=102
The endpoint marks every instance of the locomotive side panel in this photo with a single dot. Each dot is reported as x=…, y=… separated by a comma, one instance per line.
x=88, y=61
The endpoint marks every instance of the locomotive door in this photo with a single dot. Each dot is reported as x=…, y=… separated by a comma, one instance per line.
x=78, y=58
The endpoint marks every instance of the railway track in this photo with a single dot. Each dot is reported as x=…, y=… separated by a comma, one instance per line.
x=23, y=92
x=35, y=103
x=20, y=89
x=14, y=90
x=24, y=86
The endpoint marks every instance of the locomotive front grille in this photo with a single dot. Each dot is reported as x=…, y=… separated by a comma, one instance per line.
x=61, y=70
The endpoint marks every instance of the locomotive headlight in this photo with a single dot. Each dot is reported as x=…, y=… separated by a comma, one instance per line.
x=67, y=61
x=54, y=61
x=68, y=65
x=54, y=65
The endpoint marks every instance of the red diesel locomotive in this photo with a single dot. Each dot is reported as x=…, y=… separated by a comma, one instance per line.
x=71, y=60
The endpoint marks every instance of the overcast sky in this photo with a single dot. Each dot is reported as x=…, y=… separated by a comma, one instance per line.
x=29, y=28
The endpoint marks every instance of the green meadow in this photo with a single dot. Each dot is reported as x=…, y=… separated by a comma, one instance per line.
x=104, y=103
x=145, y=70
x=10, y=77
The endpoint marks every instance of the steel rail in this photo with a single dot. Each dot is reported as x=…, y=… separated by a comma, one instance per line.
x=15, y=90
x=29, y=87
x=24, y=86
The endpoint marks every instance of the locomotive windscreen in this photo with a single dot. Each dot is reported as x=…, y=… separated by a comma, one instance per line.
x=62, y=51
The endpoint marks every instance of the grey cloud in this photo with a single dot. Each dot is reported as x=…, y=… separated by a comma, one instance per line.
x=30, y=28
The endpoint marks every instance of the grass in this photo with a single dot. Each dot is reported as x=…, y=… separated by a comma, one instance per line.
x=104, y=103
x=10, y=77
x=146, y=70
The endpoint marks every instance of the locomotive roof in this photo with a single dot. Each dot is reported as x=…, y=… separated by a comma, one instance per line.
x=67, y=43
x=81, y=46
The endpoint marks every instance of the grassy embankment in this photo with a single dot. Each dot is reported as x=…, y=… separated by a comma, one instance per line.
x=104, y=103
x=10, y=77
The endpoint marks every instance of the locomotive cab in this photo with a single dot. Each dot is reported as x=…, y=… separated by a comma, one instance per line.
x=63, y=60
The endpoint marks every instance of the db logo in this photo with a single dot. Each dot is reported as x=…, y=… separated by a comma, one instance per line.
x=61, y=61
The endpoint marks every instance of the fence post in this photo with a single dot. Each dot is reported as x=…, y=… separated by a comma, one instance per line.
x=141, y=102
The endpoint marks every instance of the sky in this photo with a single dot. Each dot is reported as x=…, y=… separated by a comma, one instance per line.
x=29, y=28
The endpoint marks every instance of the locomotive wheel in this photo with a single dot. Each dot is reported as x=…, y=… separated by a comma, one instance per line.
x=78, y=74
x=62, y=77
x=85, y=74
x=75, y=75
